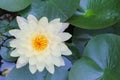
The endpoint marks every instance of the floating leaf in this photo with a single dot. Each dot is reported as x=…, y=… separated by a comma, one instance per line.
x=5, y=54
x=52, y=9
x=14, y=5
x=75, y=53
x=100, y=60
x=96, y=14
x=60, y=74
x=23, y=74
x=4, y=26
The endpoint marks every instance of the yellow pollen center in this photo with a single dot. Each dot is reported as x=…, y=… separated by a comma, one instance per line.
x=39, y=43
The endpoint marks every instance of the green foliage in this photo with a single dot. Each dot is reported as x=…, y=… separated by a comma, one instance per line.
x=62, y=9
x=117, y=28
x=23, y=74
x=60, y=74
x=100, y=60
x=75, y=53
x=82, y=36
x=96, y=14
x=95, y=43
x=5, y=54
x=4, y=26
x=5, y=51
x=14, y=5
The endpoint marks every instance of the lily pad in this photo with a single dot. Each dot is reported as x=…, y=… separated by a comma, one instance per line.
x=63, y=9
x=96, y=14
x=5, y=54
x=14, y=5
x=100, y=60
x=60, y=74
x=23, y=74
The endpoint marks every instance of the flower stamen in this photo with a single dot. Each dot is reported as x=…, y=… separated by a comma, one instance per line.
x=39, y=42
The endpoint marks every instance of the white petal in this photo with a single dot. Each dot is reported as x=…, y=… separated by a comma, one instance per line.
x=64, y=26
x=32, y=60
x=28, y=54
x=19, y=65
x=40, y=58
x=64, y=36
x=54, y=28
x=23, y=24
x=14, y=43
x=59, y=61
x=14, y=32
x=55, y=51
x=22, y=59
x=21, y=62
x=43, y=22
x=50, y=68
x=57, y=27
x=40, y=67
x=31, y=18
x=32, y=68
x=48, y=60
x=64, y=49
x=23, y=52
x=54, y=21
x=14, y=53
x=32, y=21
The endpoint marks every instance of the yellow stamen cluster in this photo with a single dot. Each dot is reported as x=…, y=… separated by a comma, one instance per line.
x=39, y=42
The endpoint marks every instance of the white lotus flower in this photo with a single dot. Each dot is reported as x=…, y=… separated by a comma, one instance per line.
x=40, y=43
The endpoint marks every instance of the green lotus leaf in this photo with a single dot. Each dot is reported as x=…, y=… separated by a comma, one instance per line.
x=14, y=5
x=100, y=60
x=96, y=14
